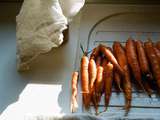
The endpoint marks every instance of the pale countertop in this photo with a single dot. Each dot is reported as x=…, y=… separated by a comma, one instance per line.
x=44, y=89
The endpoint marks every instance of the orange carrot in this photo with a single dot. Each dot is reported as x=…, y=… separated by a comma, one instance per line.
x=143, y=62
x=95, y=94
x=153, y=61
x=92, y=74
x=126, y=82
x=74, y=103
x=133, y=61
x=144, y=66
x=157, y=52
x=99, y=85
x=108, y=78
x=92, y=77
x=85, y=81
x=116, y=75
x=158, y=45
x=108, y=54
x=127, y=90
x=119, y=54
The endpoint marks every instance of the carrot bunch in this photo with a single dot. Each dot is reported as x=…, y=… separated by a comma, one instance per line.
x=105, y=66
x=97, y=76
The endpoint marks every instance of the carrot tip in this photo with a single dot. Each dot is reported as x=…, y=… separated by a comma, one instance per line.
x=127, y=107
x=74, y=107
x=86, y=101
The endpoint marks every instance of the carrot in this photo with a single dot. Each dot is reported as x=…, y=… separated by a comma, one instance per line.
x=108, y=54
x=99, y=63
x=158, y=45
x=119, y=54
x=116, y=75
x=157, y=52
x=143, y=62
x=92, y=76
x=85, y=81
x=153, y=61
x=95, y=53
x=74, y=103
x=98, y=88
x=93, y=94
x=126, y=82
x=133, y=61
x=127, y=90
x=108, y=78
x=92, y=73
x=117, y=80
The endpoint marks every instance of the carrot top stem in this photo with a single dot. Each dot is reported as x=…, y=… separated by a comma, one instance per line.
x=82, y=48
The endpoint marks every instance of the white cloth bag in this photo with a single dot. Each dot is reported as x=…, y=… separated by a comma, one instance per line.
x=40, y=24
x=71, y=7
